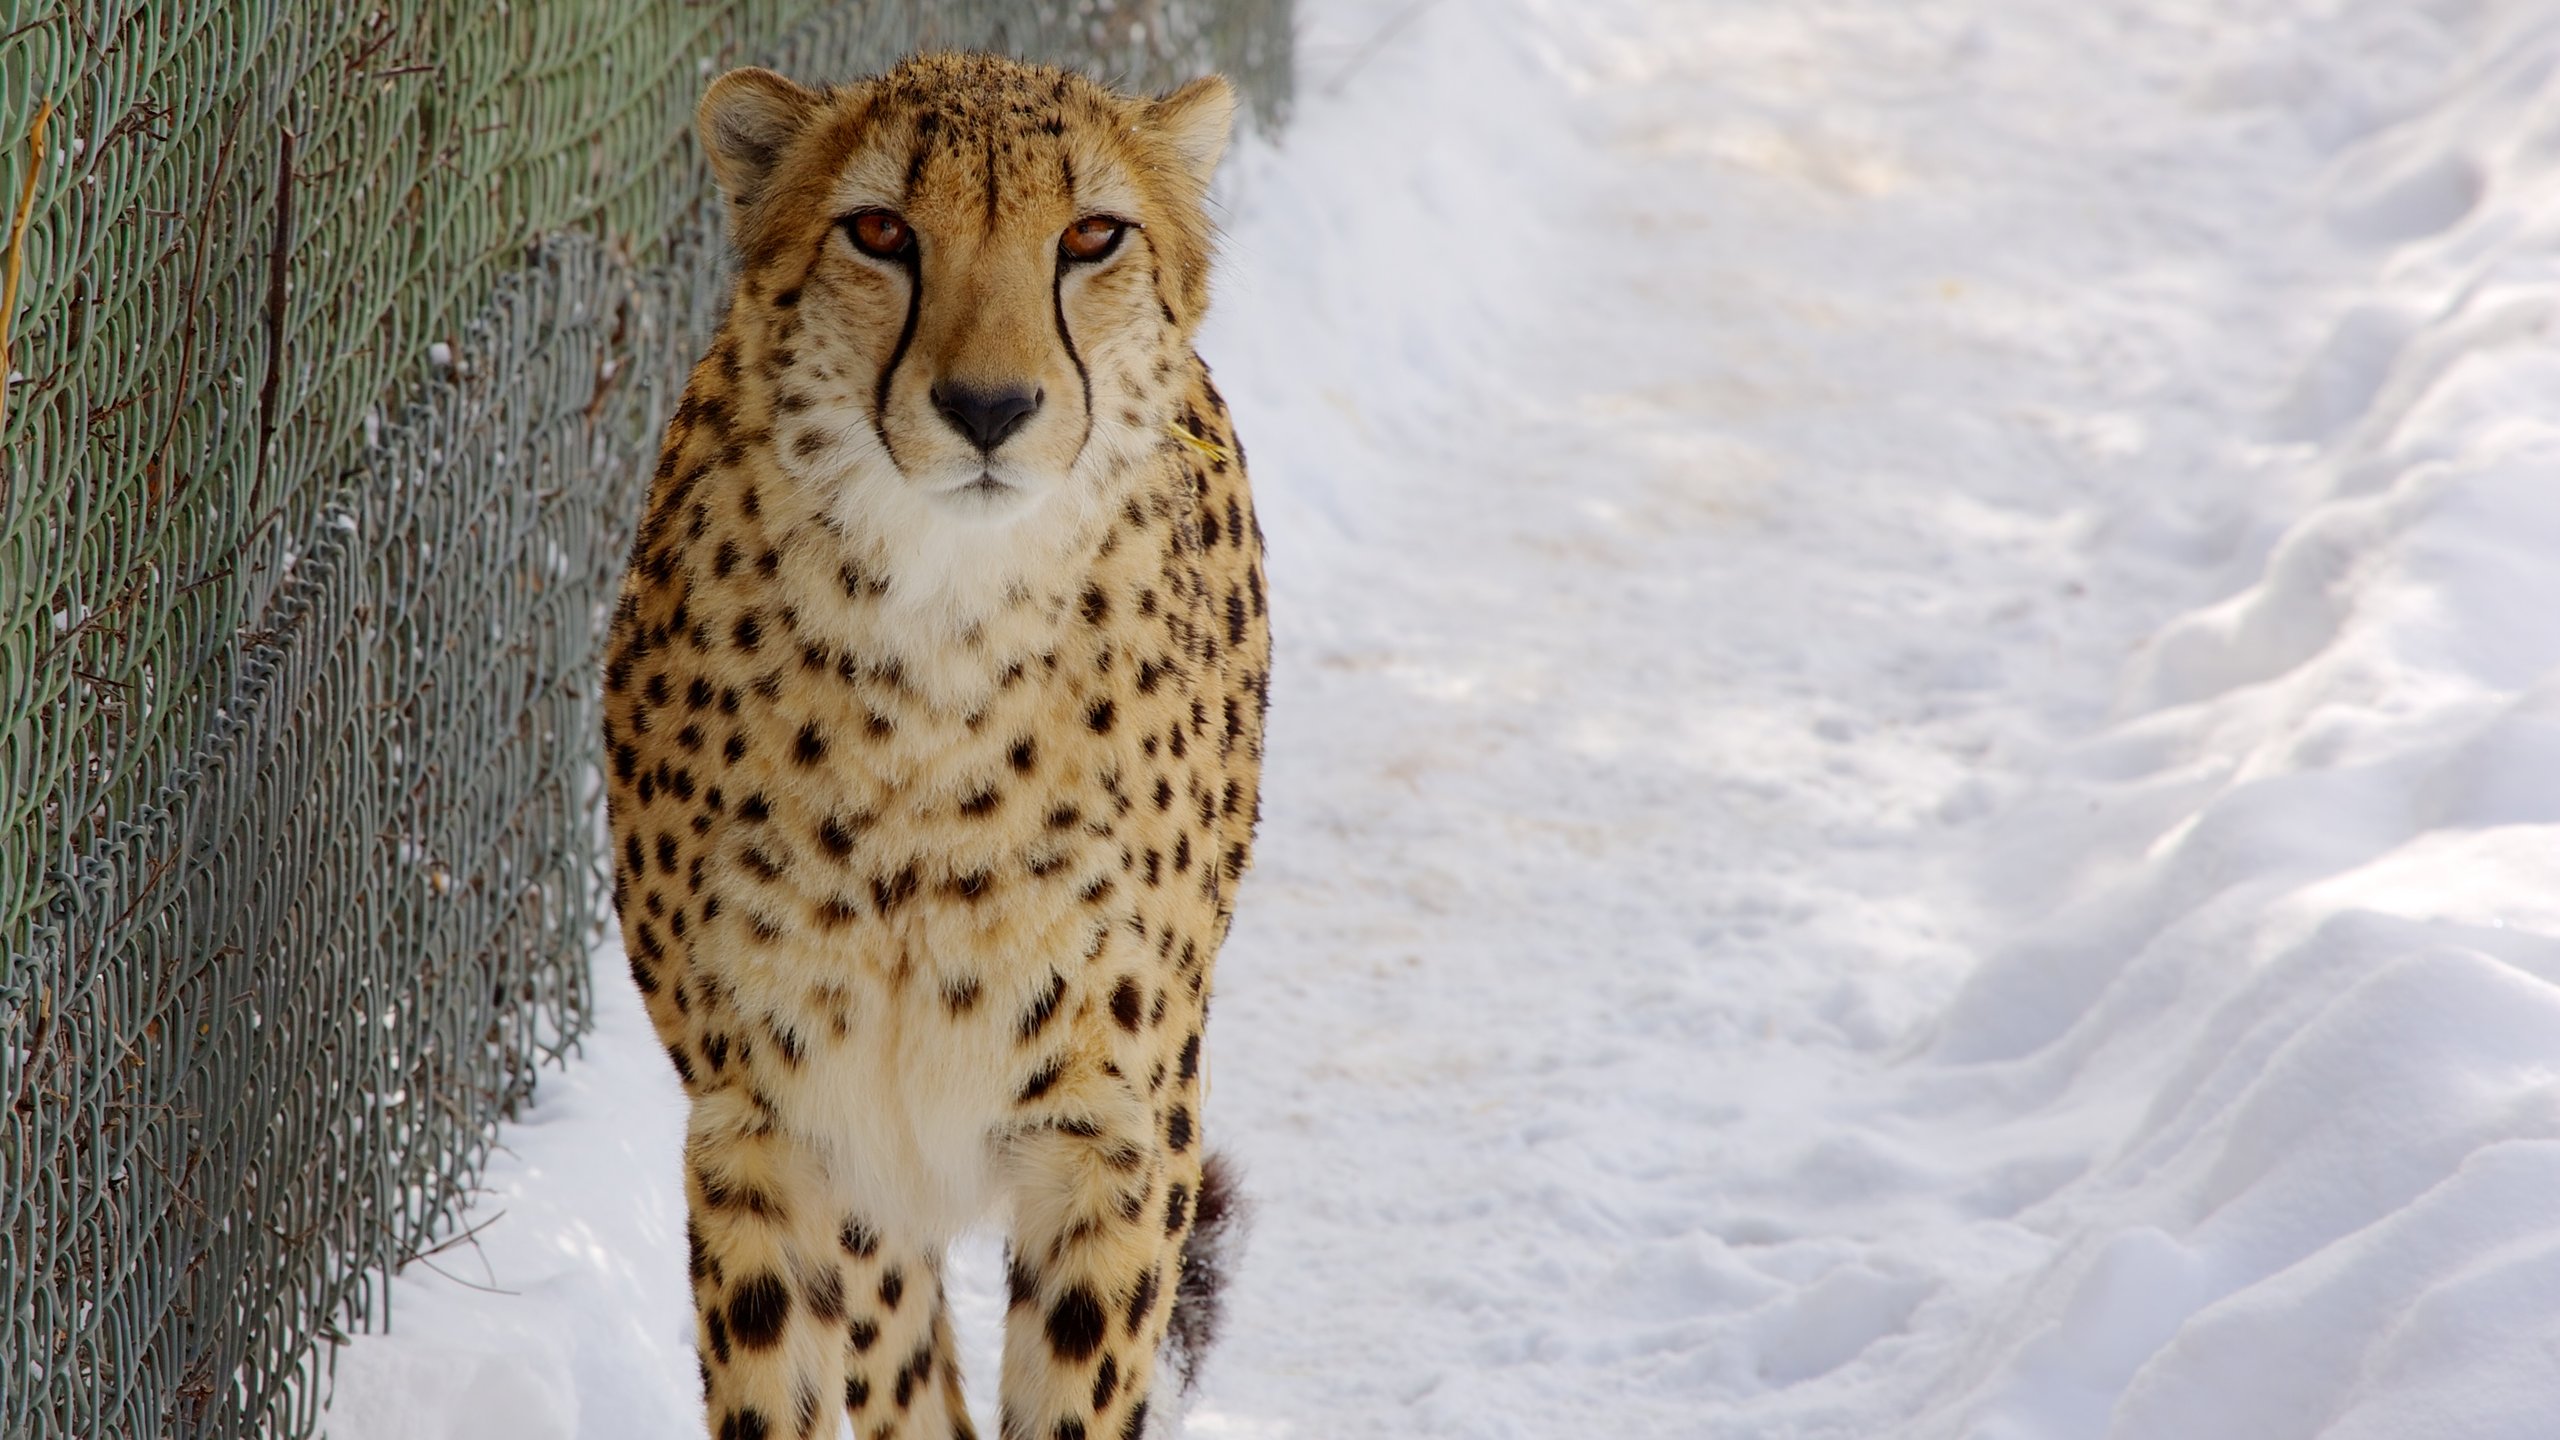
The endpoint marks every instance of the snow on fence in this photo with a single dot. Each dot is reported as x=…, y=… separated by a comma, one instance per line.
x=335, y=340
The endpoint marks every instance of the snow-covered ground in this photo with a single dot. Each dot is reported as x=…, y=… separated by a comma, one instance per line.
x=1915, y=773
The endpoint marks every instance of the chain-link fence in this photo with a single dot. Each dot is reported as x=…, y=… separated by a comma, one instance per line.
x=337, y=335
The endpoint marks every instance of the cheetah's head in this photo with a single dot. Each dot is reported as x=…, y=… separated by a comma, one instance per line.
x=970, y=276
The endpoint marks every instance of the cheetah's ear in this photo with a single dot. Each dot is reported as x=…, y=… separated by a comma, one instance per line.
x=1196, y=119
x=747, y=118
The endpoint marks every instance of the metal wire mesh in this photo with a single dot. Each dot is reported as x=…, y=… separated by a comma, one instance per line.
x=338, y=339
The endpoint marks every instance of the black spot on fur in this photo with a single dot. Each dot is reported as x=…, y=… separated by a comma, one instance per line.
x=890, y=891
x=1142, y=1301
x=1076, y=1324
x=826, y=1295
x=914, y=1373
x=757, y=1309
x=1041, y=1082
x=1036, y=1019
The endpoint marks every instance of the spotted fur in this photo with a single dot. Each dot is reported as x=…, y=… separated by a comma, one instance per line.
x=933, y=763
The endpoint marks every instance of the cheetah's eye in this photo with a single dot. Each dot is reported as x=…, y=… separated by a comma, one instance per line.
x=880, y=234
x=1092, y=237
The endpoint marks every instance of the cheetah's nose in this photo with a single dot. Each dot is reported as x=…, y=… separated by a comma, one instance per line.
x=985, y=414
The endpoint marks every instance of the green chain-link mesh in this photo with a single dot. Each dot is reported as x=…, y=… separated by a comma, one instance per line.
x=341, y=335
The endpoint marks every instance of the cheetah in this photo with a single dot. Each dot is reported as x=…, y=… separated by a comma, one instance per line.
x=933, y=713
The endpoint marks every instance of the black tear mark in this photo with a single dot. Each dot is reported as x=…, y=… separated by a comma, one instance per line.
x=1084, y=380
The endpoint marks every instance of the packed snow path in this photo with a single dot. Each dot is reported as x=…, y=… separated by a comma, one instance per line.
x=1914, y=759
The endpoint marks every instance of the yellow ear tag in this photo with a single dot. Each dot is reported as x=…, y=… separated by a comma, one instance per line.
x=1209, y=448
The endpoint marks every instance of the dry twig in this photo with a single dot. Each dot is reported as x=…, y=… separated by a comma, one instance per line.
x=16, y=255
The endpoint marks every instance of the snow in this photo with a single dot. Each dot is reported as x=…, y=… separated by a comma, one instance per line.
x=1914, y=764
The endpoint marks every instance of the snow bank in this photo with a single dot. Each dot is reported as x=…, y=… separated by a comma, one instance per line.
x=554, y=1312
x=2301, y=970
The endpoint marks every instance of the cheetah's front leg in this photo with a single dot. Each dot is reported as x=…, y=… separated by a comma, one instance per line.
x=902, y=1365
x=1101, y=1214
x=798, y=1309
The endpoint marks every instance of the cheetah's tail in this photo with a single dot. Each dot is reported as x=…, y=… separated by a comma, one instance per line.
x=1217, y=1235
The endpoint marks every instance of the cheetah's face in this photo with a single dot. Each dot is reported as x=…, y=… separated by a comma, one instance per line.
x=970, y=272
